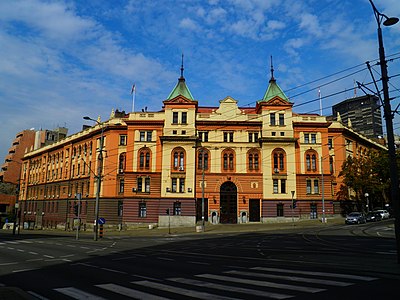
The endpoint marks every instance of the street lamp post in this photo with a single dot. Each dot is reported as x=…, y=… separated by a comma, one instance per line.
x=98, y=178
x=389, y=123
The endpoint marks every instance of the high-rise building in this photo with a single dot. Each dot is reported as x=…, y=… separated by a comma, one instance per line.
x=362, y=113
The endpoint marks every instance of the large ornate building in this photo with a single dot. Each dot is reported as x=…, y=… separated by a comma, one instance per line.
x=236, y=164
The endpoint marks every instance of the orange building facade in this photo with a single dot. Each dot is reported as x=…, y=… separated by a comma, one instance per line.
x=236, y=164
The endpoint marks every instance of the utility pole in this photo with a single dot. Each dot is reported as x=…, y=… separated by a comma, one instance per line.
x=387, y=110
x=98, y=178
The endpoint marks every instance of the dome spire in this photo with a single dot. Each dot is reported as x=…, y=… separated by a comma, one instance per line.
x=182, y=68
x=272, y=72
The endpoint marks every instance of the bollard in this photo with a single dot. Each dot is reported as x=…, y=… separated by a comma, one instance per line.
x=101, y=231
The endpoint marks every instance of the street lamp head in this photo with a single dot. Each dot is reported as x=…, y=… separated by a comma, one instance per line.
x=87, y=118
x=390, y=21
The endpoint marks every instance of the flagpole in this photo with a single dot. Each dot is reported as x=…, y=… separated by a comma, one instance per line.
x=133, y=93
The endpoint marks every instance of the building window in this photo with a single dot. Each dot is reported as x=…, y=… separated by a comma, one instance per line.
x=283, y=186
x=178, y=157
x=177, y=208
x=253, y=161
x=273, y=133
x=174, y=185
x=142, y=210
x=272, y=120
x=149, y=136
x=316, y=186
x=313, y=162
x=144, y=158
x=281, y=119
x=121, y=163
x=279, y=160
x=142, y=136
x=184, y=117
x=139, y=184
x=147, y=184
x=122, y=141
x=121, y=186
x=308, y=186
x=279, y=210
x=203, y=136
x=313, y=138
x=308, y=162
x=228, y=160
x=175, y=117
x=275, y=185
x=330, y=143
x=253, y=137
x=202, y=160
x=181, y=185
x=228, y=137
x=306, y=138
x=331, y=164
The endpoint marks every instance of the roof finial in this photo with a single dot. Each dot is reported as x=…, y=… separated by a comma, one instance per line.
x=182, y=67
x=272, y=71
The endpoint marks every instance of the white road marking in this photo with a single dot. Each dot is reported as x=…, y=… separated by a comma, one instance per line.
x=324, y=274
x=129, y=292
x=205, y=284
x=181, y=291
x=263, y=283
x=292, y=278
x=77, y=293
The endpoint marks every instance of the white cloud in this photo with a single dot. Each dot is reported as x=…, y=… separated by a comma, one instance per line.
x=310, y=24
x=275, y=25
x=189, y=24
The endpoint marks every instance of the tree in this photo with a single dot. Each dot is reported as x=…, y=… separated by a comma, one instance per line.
x=366, y=174
x=7, y=188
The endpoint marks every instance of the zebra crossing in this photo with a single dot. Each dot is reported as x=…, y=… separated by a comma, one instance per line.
x=240, y=283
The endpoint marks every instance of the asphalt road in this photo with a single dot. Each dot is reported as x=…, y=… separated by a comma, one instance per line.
x=324, y=262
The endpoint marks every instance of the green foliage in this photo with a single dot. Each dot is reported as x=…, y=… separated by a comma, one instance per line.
x=7, y=188
x=368, y=174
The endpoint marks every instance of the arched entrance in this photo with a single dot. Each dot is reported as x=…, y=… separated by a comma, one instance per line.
x=228, y=203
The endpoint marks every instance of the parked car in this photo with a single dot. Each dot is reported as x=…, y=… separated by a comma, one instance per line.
x=384, y=213
x=373, y=216
x=355, y=218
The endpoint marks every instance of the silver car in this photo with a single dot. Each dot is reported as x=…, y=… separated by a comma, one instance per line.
x=355, y=218
x=384, y=213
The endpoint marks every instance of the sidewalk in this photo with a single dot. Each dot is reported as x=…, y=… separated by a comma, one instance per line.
x=209, y=229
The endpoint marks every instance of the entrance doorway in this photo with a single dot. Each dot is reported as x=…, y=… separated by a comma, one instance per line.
x=228, y=203
x=254, y=210
x=199, y=209
x=313, y=211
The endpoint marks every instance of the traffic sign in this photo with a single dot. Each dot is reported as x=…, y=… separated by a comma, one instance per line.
x=102, y=221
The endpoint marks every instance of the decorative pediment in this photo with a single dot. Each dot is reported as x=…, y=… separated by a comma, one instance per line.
x=276, y=101
x=180, y=100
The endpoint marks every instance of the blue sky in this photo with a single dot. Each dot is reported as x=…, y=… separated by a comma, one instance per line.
x=62, y=60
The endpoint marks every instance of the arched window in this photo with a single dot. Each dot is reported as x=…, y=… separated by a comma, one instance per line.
x=122, y=162
x=311, y=161
x=253, y=160
x=178, y=159
x=202, y=159
x=279, y=160
x=144, y=158
x=228, y=160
